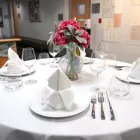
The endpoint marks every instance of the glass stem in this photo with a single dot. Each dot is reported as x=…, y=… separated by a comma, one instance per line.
x=97, y=88
x=29, y=71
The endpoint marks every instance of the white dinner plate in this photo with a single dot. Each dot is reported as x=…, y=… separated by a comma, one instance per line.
x=81, y=102
x=86, y=60
x=123, y=64
x=2, y=72
x=122, y=76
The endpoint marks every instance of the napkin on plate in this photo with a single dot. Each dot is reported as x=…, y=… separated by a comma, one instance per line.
x=83, y=55
x=14, y=63
x=58, y=94
x=135, y=69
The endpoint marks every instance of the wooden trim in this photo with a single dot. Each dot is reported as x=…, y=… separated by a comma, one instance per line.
x=3, y=60
x=10, y=40
x=15, y=16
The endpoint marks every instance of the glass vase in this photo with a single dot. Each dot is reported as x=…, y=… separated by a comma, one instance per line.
x=71, y=64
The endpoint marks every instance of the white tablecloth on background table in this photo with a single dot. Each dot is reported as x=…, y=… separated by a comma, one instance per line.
x=18, y=122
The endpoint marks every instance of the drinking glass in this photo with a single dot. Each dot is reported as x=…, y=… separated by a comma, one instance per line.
x=118, y=88
x=53, y=50
x=43, y=58
x=110, y=60
x=29, y=59
x=12, y=81
x=97, y=66
x=103, y=47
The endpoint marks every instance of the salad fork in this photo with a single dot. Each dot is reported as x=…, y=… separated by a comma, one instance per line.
x=93, y=101
x=101, y=100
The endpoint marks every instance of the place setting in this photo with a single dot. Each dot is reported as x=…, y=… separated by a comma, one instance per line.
x=132, y=74
x=59, y=99
x=14, y=69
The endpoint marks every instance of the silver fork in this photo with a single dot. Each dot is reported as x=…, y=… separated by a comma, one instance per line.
x=93, y=101
x=101, y=100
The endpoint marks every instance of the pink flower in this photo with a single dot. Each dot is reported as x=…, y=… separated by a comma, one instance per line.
x=64, y=24
x=87, y=38
x=59, y=38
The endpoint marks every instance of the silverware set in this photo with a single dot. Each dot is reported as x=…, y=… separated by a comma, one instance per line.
x=100, y=99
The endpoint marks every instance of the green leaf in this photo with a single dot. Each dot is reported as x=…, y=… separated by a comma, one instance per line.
x=79, y=39
x=55, y=26
x=81, y=47
x=84, y=40
x=48, y=41
x=72, y=44
x=71, y=29
x=68, y=35
x=79, y=32
x=50, y=33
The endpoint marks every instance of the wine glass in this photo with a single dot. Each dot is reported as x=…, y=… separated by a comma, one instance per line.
x=103, y=47
x=53, y=50
x=110, y=60
x=43, y=58
x=97, y=66
x=29, y=59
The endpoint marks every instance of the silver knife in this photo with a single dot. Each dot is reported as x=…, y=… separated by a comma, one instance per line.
x=112, y=116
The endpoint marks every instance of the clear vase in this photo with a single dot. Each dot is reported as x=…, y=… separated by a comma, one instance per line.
x=71, y=64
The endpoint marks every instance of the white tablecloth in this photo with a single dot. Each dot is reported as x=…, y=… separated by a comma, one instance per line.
x=18, y=122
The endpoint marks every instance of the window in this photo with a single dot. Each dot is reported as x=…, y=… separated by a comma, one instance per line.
x=81, y=9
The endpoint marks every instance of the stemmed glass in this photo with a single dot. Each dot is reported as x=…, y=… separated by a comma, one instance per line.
x=53, y=50
x=29, y=59
x=103, y=47
x=97, y=66
x=110, y=60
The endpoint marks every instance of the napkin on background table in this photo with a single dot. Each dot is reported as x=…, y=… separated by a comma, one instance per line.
x=135, y=69
x=14, y=63
x=58, y=94
x=83, y=55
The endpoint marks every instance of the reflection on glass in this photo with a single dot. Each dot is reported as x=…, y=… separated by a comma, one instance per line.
x=81, y=9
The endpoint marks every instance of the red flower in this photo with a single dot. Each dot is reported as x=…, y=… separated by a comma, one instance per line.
x=61, y=39
x=86, y=36
x=64, y=24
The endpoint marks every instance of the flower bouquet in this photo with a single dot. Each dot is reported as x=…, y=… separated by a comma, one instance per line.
x=69, y=34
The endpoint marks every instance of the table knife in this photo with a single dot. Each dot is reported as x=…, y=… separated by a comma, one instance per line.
x=112, y=116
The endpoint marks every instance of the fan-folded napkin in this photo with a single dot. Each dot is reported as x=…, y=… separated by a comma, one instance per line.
x=14, y=63
x=58, y=94
x=135, y=69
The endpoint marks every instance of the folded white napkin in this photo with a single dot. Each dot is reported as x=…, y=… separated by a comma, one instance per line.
x=58, y=94
x=82, y=53
x=135, y=69
x=14, y=63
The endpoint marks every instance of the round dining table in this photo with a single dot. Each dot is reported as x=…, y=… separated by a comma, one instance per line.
x=19, y=122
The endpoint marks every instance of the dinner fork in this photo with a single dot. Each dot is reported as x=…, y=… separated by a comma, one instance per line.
x=93, y=101
x=101, y=100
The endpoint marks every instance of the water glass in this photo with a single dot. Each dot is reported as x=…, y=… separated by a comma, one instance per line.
x=43, y=58
x=118, y=88
x=12, y=81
